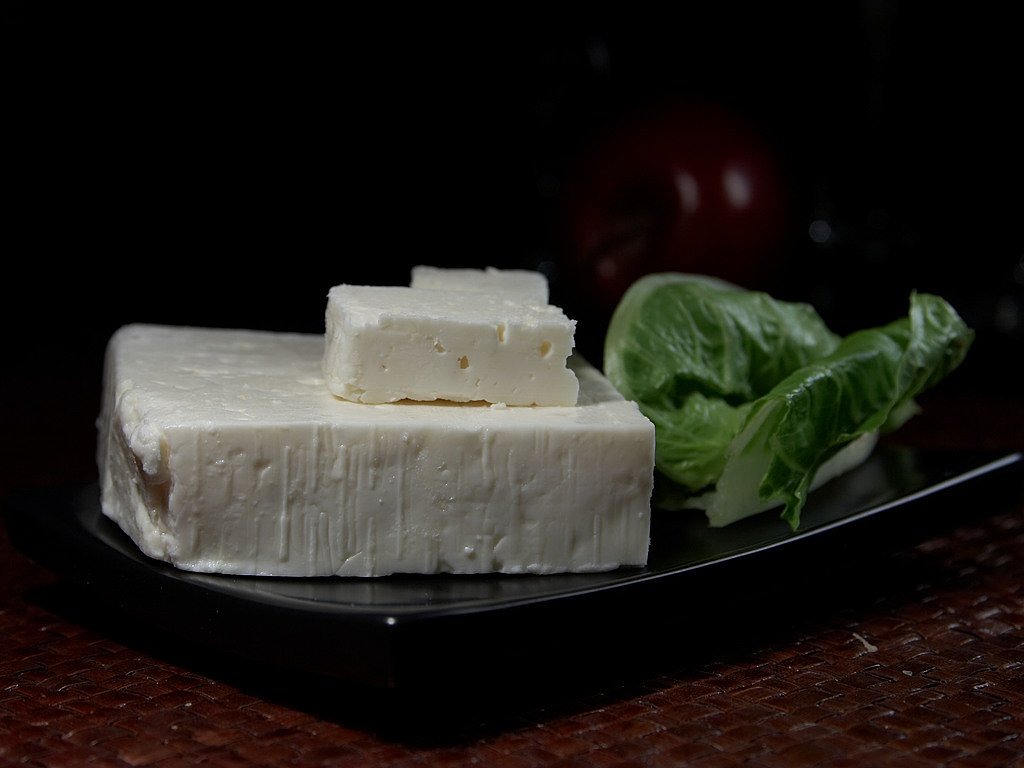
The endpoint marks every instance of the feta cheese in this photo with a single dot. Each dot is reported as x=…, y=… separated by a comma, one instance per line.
x=387, y=343
x=529, y=287
x=223, y=451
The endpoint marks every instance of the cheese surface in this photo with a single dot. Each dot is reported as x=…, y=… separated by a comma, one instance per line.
x=528, y=286
x=223, y=451
x=388, y=343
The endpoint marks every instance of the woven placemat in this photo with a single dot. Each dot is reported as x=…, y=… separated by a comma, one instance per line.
x=920, y=663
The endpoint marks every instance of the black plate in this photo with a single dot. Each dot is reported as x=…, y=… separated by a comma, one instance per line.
x=391, y=631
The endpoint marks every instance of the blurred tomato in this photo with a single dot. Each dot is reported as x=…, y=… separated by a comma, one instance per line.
x=691, y=188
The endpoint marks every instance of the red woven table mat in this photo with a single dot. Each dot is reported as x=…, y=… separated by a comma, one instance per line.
x=929, y=673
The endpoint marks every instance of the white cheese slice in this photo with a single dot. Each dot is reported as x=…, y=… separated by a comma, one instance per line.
x=223, y=451
x=528, y=286
x=389, y=343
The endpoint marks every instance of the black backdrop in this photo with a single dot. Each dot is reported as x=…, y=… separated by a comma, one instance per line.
x=224, y=168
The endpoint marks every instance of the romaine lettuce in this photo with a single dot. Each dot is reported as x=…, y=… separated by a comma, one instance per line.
x=750, y=395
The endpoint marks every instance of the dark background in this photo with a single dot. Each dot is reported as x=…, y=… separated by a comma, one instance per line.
x=203, y=167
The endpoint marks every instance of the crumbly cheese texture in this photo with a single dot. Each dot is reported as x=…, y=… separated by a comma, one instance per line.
x=528, y=286
x=390, y=343
x=223, y=451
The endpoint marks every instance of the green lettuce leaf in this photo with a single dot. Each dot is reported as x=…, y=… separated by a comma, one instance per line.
x=695, y=352
x=753, y=398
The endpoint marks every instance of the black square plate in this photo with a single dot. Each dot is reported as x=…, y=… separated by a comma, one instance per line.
x=393, y=631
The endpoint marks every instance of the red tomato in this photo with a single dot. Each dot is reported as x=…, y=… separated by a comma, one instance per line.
x=692, y=188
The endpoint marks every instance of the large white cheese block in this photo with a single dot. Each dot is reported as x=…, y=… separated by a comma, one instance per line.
x=390, y=343
x=223, y=451
x=529, y=287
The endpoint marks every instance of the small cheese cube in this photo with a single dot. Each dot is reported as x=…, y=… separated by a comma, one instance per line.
x=530, y=287
x=223, y=451
x=387, y=343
